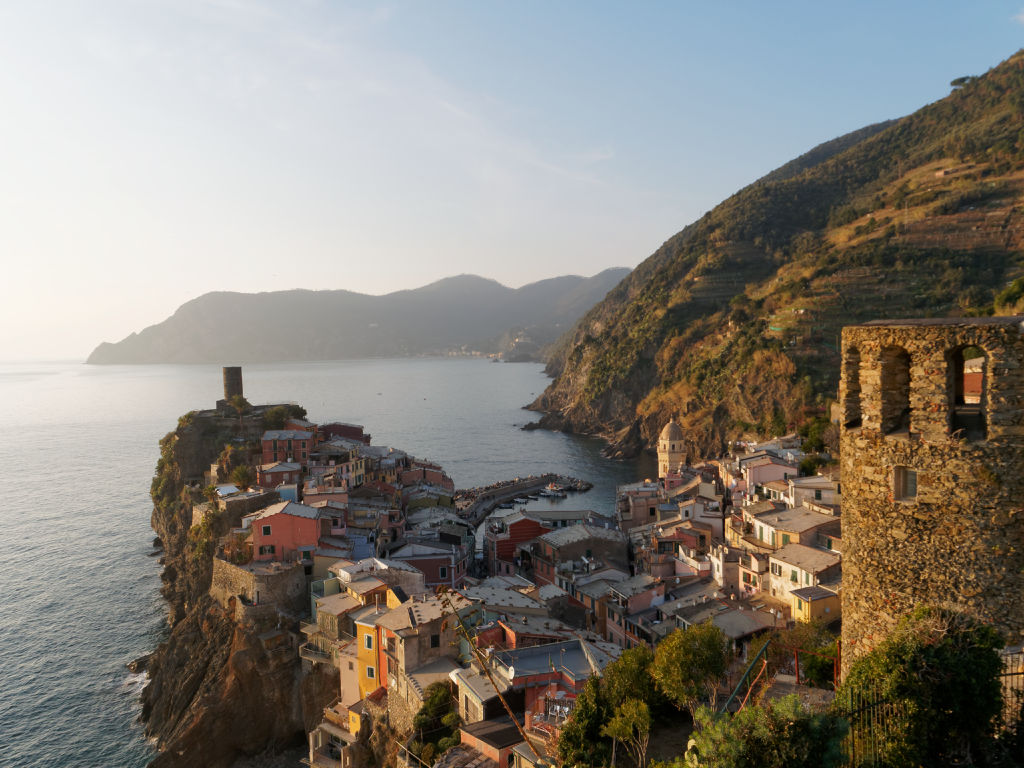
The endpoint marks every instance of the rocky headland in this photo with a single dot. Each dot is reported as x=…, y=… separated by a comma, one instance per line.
x=219, y=688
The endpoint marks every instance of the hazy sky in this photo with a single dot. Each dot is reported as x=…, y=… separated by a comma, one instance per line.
x=152, y=151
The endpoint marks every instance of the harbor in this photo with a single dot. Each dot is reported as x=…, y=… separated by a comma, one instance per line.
x=475, y=504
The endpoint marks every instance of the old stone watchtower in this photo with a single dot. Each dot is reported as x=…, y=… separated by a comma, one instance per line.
x=932, y=445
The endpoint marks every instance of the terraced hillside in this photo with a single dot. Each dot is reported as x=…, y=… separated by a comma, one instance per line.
x=734, y=322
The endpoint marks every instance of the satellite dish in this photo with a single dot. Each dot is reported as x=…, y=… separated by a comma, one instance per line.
x=511, y=671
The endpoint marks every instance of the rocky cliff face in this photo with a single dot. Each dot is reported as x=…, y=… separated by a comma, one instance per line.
x=215, y=692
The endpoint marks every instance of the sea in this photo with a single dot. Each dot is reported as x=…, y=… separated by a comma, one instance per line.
x=79, y=579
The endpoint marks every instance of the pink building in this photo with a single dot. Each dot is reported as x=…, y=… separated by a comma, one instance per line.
x=637, y=504
x=272, y=475
x=427, y=474
x=766, y=468
x=286, y=531
x=627, y=598
x=301, y=425
x=289, y=445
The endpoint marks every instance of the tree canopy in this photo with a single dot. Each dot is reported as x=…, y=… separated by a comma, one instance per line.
x=631, y=725
x=630, y=677
x=581, y=742
x=690, y=663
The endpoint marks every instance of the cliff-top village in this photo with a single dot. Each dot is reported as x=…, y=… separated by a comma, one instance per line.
x=366, y=561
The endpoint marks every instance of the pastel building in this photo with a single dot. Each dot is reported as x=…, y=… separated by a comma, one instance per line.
x=286, y=531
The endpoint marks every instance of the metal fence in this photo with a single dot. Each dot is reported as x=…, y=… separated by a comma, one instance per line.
x=875, y=721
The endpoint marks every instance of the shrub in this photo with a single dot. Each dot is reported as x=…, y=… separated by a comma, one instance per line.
x=943, y=669
x=779, y=734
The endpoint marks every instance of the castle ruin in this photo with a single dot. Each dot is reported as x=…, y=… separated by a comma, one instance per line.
x=932, y=446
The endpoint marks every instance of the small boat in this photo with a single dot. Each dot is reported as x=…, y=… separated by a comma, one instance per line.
x=552, y=494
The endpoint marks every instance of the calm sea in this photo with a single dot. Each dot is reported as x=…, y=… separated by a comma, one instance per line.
x=78, y=444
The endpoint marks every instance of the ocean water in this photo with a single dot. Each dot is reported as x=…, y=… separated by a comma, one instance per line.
x=79, y=587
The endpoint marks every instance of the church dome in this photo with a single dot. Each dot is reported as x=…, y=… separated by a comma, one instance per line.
x=672, y=432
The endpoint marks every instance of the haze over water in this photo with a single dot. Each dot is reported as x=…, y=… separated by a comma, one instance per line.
x=77, y=453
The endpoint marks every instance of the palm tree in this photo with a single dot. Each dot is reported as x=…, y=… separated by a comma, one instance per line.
x=240, y=404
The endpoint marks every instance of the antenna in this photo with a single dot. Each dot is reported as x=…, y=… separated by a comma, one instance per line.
x=487, y=671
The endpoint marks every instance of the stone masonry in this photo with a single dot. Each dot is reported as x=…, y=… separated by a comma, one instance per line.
x=933, y=492
x=281, y=586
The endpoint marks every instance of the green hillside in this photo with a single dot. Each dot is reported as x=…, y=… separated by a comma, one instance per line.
x=734, y=322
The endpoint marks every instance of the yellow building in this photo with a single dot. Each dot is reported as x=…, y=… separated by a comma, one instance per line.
x=815, y=604
x=367, y=653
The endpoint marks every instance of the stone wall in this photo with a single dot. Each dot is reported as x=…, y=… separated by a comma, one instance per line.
x=282, y=586
x=958, y=542
x=237, y=507
x=400, y=708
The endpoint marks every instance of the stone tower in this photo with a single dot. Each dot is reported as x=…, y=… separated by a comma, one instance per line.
x=932, y=446
x=671, y=449
x=232, y=381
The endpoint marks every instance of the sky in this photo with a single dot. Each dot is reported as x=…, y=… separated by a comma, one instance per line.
x=152, y=151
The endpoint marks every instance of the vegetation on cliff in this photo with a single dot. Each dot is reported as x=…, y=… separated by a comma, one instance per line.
x=215, y=691
x=734, y=322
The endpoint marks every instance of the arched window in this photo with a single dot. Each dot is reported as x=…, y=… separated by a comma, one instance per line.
x=895, y=390
x=851, y=373
x=967, y=392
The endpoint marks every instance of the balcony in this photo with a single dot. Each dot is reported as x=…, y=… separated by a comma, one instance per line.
x=326, y=757
x=310, y=652
x=337, y=713
x=308, y=628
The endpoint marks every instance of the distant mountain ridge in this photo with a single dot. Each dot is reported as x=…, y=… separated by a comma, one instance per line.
x=465, y=312
x=732, y=326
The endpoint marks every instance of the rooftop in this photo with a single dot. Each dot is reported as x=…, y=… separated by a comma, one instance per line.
x=577, y=533
x=634, y=585
x=501, y=597
x=287, y=434
x=337, y=604
x=292, y=508
x=559, y=514
x=363, y=585
x=550, y=592
x=577, y=657
x=495, y=733
x=797, y=519
x=281, y=466
x=596, y=589
x=810, y=594
x=476, y=682
x=805, y=558
x=540, y=625
x=415, y=612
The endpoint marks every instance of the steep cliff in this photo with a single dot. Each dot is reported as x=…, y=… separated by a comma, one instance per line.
x=733, y=323
x=216, y=691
